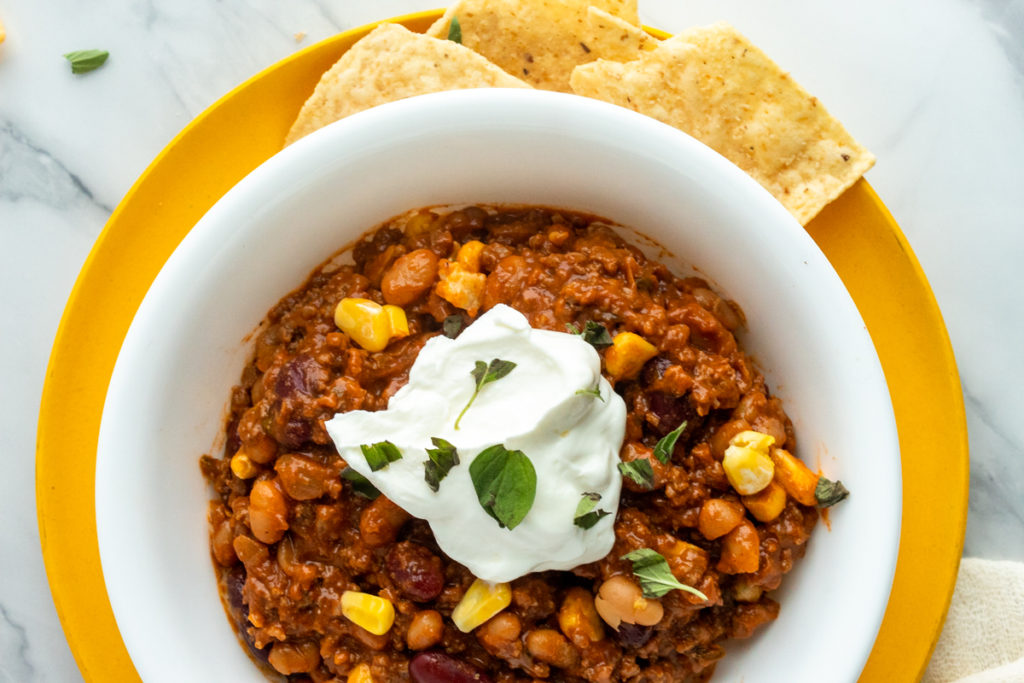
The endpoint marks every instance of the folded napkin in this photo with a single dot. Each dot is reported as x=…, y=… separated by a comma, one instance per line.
x=983, y=639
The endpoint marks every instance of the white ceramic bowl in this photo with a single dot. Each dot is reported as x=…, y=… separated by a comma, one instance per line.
x=186, y=348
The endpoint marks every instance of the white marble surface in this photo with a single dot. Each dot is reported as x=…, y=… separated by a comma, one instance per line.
x=935, y=89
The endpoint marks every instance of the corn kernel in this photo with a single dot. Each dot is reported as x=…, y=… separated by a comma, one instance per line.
x=369, y=324
x=746, y=463
x=469, y=255
x=766, y=504
x=360, y=674
x=481, y=602
x=399, y=323
x=627, y=355
x=373, y=613
x=795, y=477
x=460, y=287
x=243, y=466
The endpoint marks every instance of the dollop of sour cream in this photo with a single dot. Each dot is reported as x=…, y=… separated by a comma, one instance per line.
x=545, y=407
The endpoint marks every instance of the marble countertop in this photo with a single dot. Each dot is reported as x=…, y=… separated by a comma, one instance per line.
x=934, y=88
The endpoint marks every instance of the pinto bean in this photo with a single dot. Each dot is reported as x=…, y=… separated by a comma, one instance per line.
x=409, y=277
x=425, y=630
x=551, y=647
x=268, y=511
x=381, y=521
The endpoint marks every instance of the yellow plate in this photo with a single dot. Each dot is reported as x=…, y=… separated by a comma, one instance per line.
x=247, y=126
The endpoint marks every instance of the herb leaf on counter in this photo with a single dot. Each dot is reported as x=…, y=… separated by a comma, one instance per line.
x=84, y=61
x=360, y=484
x=663, y=449
x=455, y=31
x=484, y=374
x=640, y=471
x=505, y=482
x=380, y=455
x=443, y=457
x=656, y=578
x=829, y=492
x=586, y=516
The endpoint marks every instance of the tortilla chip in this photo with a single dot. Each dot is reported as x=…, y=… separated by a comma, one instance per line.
x=712, y=83
x=542, y=41
x=392, y=63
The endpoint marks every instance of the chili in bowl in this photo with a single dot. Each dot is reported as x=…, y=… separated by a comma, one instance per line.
x=806, y=375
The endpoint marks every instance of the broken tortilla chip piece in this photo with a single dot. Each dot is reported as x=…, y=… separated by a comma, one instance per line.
x=542, y=41
x=392, y=63
x=712, y=83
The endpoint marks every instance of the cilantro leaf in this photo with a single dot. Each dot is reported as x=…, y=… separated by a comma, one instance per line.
x=84, y=61
x=380, y=455
x=656, y=579
x=442, y=458
x=829, y=492
x=595, y=392
x=586, y=516
x=666, y=444
x=455, y=31
x=505, y=483
x=594, y=333
x=360, y=484
x=453, y=326
x=484, y=374
x=640, y=471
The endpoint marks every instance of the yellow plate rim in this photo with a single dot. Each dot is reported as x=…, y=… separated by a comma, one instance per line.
x=103, y=300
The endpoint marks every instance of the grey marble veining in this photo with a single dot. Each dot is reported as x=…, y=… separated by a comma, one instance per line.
x=935, y=89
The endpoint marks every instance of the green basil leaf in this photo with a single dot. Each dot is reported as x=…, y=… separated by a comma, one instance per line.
x=656, y=579
x=84, y=61
x=360, y=484
x=586, y=516
x=453, y=326
x=485, y=373
x=505, y=483
x=666, y=444
x=640, y=471
x=829, y=492
x=380, y=455
x=443, y=457
x=595, y=392
x=455, y=31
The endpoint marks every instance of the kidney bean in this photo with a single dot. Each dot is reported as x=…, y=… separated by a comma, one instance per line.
x=437, y=667
x=671, y=412
x=416, y=571
x=633, y=635
x=234, y=582
x=296, y=376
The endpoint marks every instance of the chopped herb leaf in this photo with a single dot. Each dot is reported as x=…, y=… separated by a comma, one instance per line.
x=663, y=449
x=360, y=484
x=594, y=333
x=443, y=457
x=380, y=455
x=84, y=61
x=656, y=578
x=453, y=326
x=829, y=492
x=586, y=516
x=455, y=31
x=484, y=374
x=505, y=482
x=595, y=392
x=640, y=471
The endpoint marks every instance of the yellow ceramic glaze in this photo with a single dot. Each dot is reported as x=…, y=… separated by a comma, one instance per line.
x=246, y=127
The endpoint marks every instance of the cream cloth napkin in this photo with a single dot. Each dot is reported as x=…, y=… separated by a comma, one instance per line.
x=983, y=639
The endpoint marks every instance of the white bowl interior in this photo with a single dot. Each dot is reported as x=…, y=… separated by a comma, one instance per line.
x=166, y=401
